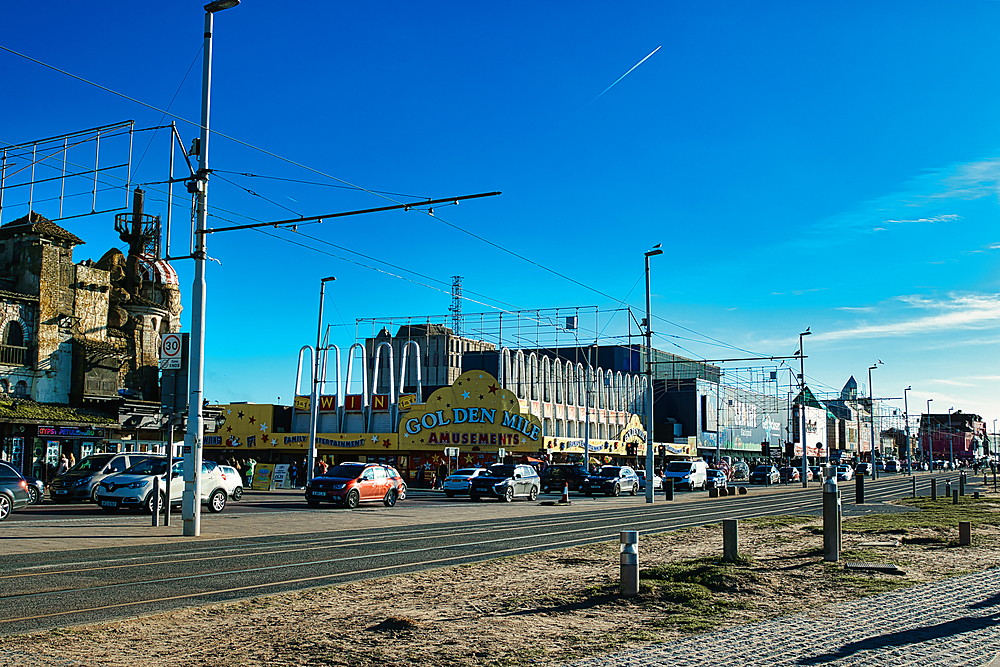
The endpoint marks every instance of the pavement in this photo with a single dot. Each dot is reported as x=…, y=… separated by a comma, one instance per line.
x=954, y=622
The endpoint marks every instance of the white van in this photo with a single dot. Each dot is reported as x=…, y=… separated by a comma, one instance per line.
x=690, y=475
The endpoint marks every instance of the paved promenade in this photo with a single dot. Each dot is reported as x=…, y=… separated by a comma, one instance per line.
x=955, y=622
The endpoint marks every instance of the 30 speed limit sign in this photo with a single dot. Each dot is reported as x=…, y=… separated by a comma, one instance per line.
x=170, y=351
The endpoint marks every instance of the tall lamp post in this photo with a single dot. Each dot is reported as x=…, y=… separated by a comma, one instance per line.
x=951, y=440
x=930, y=452
x=871, y=395
x=317, y=370
x=906, y=416
x=802, y=407
x=190, y=505
x=649, y=382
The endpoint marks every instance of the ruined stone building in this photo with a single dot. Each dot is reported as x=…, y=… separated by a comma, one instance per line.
x=79, y=342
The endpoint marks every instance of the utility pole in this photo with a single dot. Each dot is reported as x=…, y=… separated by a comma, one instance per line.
x=649, y=381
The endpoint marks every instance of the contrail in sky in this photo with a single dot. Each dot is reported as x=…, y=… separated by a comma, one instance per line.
x=623, y=76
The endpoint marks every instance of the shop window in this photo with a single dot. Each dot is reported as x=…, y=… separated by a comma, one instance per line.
x=13, y=335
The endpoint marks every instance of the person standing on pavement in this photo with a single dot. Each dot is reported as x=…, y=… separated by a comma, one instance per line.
x=442, y=473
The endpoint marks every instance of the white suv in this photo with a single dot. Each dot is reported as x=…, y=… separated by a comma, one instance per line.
x=133, y=489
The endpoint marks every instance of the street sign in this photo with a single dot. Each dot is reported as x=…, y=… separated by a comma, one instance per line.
x=170, y=351
x=501, y=453
x=451, y=451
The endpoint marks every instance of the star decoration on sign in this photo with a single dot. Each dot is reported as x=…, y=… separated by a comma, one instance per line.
x=253, y=420
x=447, y=405
x=240, y=414
x=481, y=397
x=274, y=442
x=493, y=388
x=263, y=427
x=264, y=438
x=229, y=411
x=465, y=394
x=374, y=438
x=229, y=429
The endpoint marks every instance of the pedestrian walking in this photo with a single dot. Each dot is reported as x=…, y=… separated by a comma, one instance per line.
x=442, y=473
x=63, y=465
x=72, y=461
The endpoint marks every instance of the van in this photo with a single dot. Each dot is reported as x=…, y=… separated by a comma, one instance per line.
x=689, y=475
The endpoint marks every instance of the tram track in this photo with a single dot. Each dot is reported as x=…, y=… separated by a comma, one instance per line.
x=103, y=587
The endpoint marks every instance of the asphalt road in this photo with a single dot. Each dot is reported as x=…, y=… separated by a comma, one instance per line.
x=75, y=566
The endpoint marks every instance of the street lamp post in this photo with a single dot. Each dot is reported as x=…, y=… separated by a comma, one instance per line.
x=802, y=406
x=951, y=440
x=906, y=416
x=649, y=382
x=871, y=395
x=930, y=452
x=190, y=505
x=317, y=370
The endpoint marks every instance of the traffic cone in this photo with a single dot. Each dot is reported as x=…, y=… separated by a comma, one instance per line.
x=565, y=495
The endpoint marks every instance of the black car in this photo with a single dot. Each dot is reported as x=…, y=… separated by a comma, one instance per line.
x=556, y=477
x=506, y=482
x=13, y=491
x=765, y=475
x=612, y=481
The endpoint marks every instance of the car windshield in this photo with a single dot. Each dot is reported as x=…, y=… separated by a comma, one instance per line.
x=92, y=463
x=678, y=466
x=148, y=467
x=500, y=470
x=466, y=472
x=762, y=469
x=609, y=471
x=345, y=470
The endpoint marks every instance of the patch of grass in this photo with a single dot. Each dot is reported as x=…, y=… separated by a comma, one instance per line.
x=783, y=521
x=934, y=514
x=686, y=622
x=708, y=572
x=868, y=556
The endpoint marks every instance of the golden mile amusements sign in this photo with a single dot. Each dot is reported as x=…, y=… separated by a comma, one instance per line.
x=474, y=413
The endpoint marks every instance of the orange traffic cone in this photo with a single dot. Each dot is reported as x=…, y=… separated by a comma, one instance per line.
x=565, y=495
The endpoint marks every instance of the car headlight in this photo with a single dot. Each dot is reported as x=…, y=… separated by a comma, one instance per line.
x=136, y=485
x=338, y=486
x=81, y=481
x=686, y=476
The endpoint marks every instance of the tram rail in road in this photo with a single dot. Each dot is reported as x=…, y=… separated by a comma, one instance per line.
x=56, y=589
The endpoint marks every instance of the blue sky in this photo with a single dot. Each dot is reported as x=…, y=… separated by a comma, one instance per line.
x=835, y=167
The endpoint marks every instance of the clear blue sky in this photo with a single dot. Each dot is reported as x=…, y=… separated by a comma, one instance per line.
x=803, y=165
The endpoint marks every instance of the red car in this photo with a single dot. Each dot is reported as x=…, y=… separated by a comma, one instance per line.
x=352, y=483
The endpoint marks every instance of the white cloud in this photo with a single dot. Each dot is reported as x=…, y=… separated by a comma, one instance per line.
x=951, y=217
x=959, y=312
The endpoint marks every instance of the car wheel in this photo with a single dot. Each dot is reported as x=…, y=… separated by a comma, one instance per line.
x=150, y=502
x=391, y=497
x=33, y=496
x=312, y=503
x=449, y=494
x=475, y=499
x=533, y=494
x=5, y=506
x=508, y=495
x=238, y=493
x=704, y=486
x=402, y=492
x=633, y=489
x=217, y=501
x=352, y=500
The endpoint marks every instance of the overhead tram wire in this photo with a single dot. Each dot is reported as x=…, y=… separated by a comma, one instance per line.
x=352, y=185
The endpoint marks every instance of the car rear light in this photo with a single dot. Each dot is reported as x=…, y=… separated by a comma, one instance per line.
x=24, y=484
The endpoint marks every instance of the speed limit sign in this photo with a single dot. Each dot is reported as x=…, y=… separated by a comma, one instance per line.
x=170, y=351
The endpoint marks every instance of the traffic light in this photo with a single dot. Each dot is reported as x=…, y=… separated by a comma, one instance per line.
x=663, y=451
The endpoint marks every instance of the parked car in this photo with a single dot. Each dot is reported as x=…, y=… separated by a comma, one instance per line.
x=790, y=474
x=352, y=483
x=232, y=480
x=612, y=481
x=844, y=473
x=13, y=491
x=81, y=482
x=36, y=490
x=460, y=481
x=556, y=476
x=892, y=465
x=657, y=480
x=717, y=479
x=688, y=474
x=880, y=465
x=506, y=482
x=863, y=469
x=133, y=488
x=817, y=472
x=765, y=475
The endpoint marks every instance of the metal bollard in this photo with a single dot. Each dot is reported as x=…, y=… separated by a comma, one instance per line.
x=859, y=490
x=933, y=488
x=961, y=484
x=629, y=562
x=947, y=487
x=914, y=491
x=954, y=497
x=668, y=489
x=964, y=533
x=730, y=540
x=156, y=501
x=831, y=521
